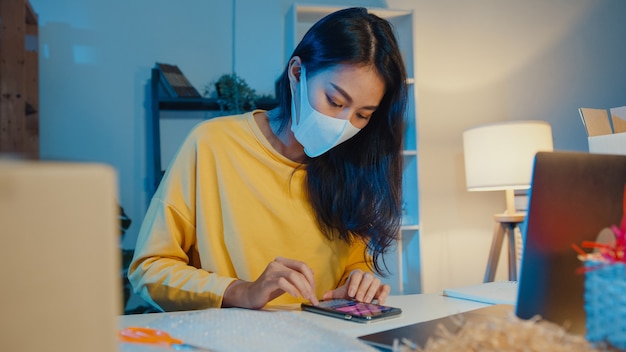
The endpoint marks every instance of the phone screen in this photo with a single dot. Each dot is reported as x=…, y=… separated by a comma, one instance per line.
x=353, y=310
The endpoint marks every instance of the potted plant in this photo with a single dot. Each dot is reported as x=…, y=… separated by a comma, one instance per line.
x=233, y=93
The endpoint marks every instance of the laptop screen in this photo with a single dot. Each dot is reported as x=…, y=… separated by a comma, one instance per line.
x=574, y=196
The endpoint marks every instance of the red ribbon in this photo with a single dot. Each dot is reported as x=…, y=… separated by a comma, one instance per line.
x=610, y=253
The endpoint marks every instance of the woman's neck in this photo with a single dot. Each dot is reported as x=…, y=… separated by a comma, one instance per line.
x=282, y=140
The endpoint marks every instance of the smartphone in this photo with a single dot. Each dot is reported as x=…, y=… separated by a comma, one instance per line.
x=353, y=310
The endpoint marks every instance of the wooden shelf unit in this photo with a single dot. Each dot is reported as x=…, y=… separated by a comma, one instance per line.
x=19, y=79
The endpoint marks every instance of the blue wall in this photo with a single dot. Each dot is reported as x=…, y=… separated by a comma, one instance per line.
x=476, y=62
x=95, y=61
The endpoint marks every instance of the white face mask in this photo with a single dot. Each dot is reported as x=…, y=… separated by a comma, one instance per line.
x=317, y=133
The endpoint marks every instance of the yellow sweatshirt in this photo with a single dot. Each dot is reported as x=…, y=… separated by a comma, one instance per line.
x=227, y=206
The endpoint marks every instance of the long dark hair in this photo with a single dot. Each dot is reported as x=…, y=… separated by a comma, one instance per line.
x=355, y=188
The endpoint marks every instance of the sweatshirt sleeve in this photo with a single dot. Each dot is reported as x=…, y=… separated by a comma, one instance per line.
x=161, y=272
x=165, y=270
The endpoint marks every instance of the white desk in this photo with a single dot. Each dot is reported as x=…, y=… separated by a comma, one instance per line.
x=415, y=308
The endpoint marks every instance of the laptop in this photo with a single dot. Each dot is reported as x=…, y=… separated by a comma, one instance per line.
x=574, y=196
x=419, y=333
x=59, y=258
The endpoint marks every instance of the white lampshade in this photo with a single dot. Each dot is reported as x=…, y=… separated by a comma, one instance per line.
x=500, y=156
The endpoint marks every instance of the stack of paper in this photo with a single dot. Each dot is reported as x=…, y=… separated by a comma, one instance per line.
x=499, y=292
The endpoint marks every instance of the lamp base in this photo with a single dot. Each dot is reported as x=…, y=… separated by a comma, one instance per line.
x=505, y=224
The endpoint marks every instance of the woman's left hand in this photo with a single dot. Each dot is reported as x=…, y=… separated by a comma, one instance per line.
x=362, y=286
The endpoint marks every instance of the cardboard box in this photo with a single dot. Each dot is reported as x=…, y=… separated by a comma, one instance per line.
x=601, y=136
x=608, y=144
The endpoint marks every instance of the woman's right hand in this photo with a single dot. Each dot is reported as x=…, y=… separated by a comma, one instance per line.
x=281, y=276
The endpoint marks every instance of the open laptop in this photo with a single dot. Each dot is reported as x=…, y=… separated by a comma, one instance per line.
x=59, y=258
x=574, y=196
x=419, y=333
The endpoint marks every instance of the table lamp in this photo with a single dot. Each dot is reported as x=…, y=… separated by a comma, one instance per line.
x=500, y=157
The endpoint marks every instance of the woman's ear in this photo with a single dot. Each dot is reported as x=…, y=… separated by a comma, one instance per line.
x=294, y=69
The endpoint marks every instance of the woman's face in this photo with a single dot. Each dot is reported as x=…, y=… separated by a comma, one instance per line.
x=347, y=92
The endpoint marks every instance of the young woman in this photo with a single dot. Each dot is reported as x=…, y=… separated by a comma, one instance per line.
x=294, y=204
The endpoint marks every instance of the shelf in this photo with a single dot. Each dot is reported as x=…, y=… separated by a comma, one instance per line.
x=198, y=104
x=171, y=91
x=19, y=80
x=191, y=104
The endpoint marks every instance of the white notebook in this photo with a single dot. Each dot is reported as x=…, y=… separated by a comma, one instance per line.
x=498, y=292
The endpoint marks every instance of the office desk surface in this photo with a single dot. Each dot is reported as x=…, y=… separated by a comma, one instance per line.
x=415, y=308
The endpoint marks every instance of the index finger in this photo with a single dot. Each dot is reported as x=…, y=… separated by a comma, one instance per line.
x=300, y=267
x=303, y=269
x=354, y=281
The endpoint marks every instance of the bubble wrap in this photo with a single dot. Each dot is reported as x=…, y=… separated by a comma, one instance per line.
x=235, y=329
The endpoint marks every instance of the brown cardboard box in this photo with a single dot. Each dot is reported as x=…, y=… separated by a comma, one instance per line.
x=602, y=138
